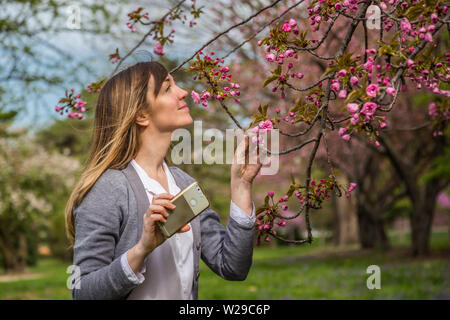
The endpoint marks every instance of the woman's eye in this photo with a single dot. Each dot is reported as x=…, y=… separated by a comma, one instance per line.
x=168, y=87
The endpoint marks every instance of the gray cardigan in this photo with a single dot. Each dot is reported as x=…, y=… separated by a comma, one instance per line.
x=108, y=222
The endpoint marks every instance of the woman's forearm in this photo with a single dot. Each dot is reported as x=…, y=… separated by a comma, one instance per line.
x=241, y=195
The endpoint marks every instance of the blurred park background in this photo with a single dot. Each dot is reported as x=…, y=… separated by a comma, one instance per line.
x=42, y=155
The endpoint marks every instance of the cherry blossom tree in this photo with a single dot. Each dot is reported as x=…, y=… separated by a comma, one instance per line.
x=354, y=95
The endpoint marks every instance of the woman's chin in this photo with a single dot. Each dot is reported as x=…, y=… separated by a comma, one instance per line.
x=186, y=121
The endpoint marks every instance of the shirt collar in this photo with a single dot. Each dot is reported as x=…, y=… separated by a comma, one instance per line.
x=153, y=186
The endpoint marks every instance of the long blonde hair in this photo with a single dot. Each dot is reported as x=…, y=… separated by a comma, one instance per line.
x=116, y=139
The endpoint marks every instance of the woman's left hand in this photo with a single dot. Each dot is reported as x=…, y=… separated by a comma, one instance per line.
x=241, y=169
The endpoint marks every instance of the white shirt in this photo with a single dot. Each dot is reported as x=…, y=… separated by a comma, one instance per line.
x=170, y=265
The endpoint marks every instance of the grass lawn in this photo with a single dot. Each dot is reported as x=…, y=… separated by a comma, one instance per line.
x=301, y=272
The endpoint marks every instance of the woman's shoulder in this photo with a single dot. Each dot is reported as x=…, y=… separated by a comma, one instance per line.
x=112, y=178
x=111, y=185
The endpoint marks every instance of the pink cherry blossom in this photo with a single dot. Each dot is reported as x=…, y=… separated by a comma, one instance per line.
x=372, y=90
x=369, y=109
x=354, y=80
x=352, y=107
x=289, y=53
x=432, y=110
x=81, y=103
x=206, y=96
x=428, y=37
x=405, y=25
x=434, y=17
x=270, y=57
x=335, y=86
x=158, y=49
x=342, y=73
x=390, y=90
x=342, y=94
x=369, y=64
x=265, y=125
x=195, y=97
x=287, y=27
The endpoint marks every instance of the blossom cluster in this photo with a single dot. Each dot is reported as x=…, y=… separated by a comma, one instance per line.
x=278, y=53
x=115, y=57
x=135, y=17
x=262, y=127
x=266, y=220
x=439, y=111
x=215, y=73
x=269, y=215
x=320, y=10
x=72, y=104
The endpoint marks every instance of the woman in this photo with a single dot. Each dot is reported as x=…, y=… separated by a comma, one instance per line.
x=120, y=251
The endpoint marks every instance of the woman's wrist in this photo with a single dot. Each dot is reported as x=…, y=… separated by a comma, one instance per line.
x=136, y=256
x=241, y=195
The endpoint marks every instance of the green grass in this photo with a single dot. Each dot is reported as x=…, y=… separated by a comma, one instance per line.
x=51, y=285
x=300, y=272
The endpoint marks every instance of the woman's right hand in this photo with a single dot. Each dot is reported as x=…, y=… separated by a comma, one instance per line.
x=152, y=236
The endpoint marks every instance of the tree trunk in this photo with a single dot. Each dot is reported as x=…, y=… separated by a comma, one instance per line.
x=372, y=233
x=14, y=256
x=422, y=218
x=345, y=229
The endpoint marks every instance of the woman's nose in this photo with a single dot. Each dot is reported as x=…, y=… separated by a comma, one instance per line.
x=184, y=93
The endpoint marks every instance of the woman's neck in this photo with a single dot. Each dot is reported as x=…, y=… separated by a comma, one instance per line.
x=152, y=152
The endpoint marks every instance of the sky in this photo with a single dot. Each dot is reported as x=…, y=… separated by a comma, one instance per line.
x=96, y=50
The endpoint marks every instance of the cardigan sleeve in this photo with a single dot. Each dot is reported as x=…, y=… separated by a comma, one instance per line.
x=97, y=230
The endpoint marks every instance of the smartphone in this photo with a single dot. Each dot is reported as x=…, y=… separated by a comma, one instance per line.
x=189, y=202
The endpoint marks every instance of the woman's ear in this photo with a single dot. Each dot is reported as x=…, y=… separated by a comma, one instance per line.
x=143, y=119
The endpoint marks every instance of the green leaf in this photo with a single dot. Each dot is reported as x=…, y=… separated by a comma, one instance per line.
x=278, y=70
x=291, y=190
x=331, y=69
x=292, y=178
x=269, y=80
x=259, y=210
x=265, y=109
x=355, y=94
x=64, y=100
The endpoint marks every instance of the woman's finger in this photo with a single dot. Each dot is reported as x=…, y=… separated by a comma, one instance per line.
x=157, y=217
x=162, y=196
x=155, y=208
x=185, y=228
x=164, y=202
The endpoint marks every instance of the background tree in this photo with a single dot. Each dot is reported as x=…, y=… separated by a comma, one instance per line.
x=32, y=181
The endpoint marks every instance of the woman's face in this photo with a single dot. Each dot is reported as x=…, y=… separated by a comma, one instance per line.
x=168, y=111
